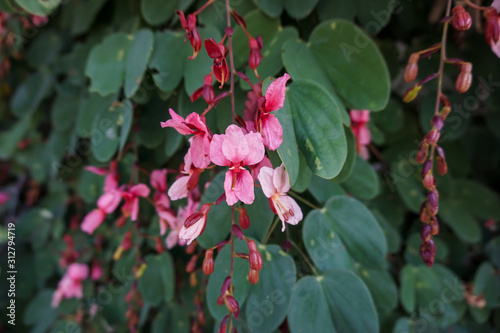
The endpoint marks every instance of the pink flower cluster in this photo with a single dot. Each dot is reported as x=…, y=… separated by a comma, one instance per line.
x=71, y=284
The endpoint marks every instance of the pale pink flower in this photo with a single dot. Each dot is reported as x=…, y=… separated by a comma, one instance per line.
x=162, y=204
x=194, y=225
x=359, y=126
x=235, y=150
x=188, y=179
x=266, y=123
x=92, y=221
x=200, y=145
x=275, y=183
x=131, y=196
x=158, y=180
x=193, y=202
x=71, y=284
x=255, y=169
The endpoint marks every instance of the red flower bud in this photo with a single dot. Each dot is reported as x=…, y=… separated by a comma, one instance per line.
x=159, y=245
x=220, y=66
x=434, y=226
x=423, y=152
x=424, y=213
x=411, y=70
x=237, y=231
x=428, y=252
x=238, y=18
x=433, y=202
x=191, y=264
x=429, y=181
x=255, y=55
x=225, y=285
x=208, y=262
x=255, y=259
x=127, y=241
x=208, y=89
x=461, y=19
x=432, y=136
x=252, y=246
x=492, y=30
x=189, y=25
x=244, y=220
x=122, y=220
x=437, y=122
x=426, y=168
x=441, y=162
x=425, y=233
x=253, y=276
x=464, y=79
x=232, y=305
x=223, y=324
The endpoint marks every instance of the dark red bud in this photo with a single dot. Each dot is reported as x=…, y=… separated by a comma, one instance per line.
x=253, y=276
x=424, y=213
x=441, y=162
x=412, y=68
x=208, y=262
x=255, y=259
x=225, y=285
x=423, y=152
x=252, y=246
x=433, y=202
x=223, y=324
x=190, y=267
x=159, y=245
x=244, y=219
x=237, y=231
x=425, y=233
x=122, y=220
x=434, y=226
x=429, y=181
x=426, y=168
x=437, y=122
x=432, y=136
x=232, y=305
x=127, y=241
x=461, y=19
x=464, y=79
x=492, y=30
x=428, y=252
x=238, y=18
x=192, y=219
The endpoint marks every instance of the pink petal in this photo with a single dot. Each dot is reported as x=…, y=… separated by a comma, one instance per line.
x=281, y=180
x=244, y=187
x=200, y=151
x=216, y=154
x=96, y=170
x=158, y=180
x=496, y=47
x=108, y=201
x=92, y=220
x=111, y=182
x=363, y=152
x=363, y=135
x=78, y=271
x=360, y=116
x=272, y=132
x=195, y=120
x=266, y=181
x=188, y=160
x=275, y=94
x=191, y=233
x=235, y=146
x=256, y=169
x=56, y=298
x=172, y=238
x=256, y=150
x=139, y=190
x=179, y=190
x=134, y=209
x=496, y=4
x=231, y=197
x=291, y=205
x=178, y=123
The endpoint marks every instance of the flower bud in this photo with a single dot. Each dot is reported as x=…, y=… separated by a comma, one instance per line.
x=253, y=276
x=433, y=202
x=411, y=93
x=232, y=305
x=255, y=259
x=255, y=55
x=193, y=280
x=127, y=241
x=492, y=30
x=121, y=221
x=208, y=89
x=244, y=220
x=118, y=253
x=252, y=246
x=432, y=136
x=464, y=79
x=237, y=231
x=434, y=226
x=445, y=111
x=428, y=252
x=426, y=168
x=429, y=181
x=191, y=264
x=424, y=213
x=441, y=162
x=208, y=262
x=225, y=285
x=158, y=245
x=140, y=270
x=437, y=122
x=423, y=152
x=411, y=70
x=223, y=324
x=461, y=19
x=425, y=233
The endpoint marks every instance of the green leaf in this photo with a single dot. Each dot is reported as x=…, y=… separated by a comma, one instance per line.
x=39, y=309
x=63, y=111
x=137, y=60
x=89, y=107
x=38, y=7
x=322, y=191
x=389, y=119
x=477, y=199
x=298, y=9
x=487, y=283
x=219, y=217
x=168, y=59
x=156, y=12
x=381, y=286
x=305, y=175
x=151, y=134
x=318, y=127
x=105, y=138
x=172, y=319
x=271, y=8
x=30, y=94
x=268, y=301
x=90, y=186
x=363, y=183
x=222, y=267
x=45, y=48
x=391, y=233
x=353, y=64
x=83, y=15
x=493, y=251
x=351, y=158
x=328, y=9
x=403, y=180
x=106, y=64
x=288, y=149
x=335, y=302
x=11, y=137
x=374, y=14
x=157, y=282
x=460, y=221
x=126, y=122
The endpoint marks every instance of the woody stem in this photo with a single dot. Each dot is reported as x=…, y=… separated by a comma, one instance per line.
x=231, y=59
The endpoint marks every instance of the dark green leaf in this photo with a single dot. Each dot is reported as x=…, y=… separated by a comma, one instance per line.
x=137, y=60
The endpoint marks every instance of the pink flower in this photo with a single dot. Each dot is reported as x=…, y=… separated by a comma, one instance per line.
x=275, y=183
x=194, y=124
x=255, y=169
x=162, y=204
x=495, y=46
x=71, y=283
x=267, y=124
x=39, y=20
x=159, y=180
x=131, y=206
x=235, y=150
x=194, y=225
x=359, y=121
x=96, y=270
x=182, y=213
x=188, y=179
x=92, y=221
x=4, y=197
